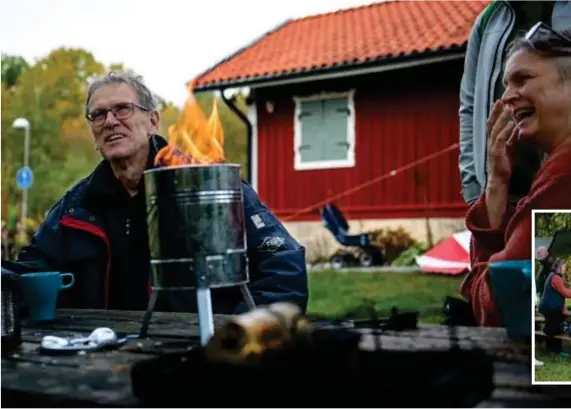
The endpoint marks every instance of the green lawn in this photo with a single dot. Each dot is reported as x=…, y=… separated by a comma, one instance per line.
x=555, y=368
x=351, y=295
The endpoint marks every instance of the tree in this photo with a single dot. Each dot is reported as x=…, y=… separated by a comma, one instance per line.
x=547, y=224
x=120, y=67
x=51, y=95
x=235, y=138
x=12, y=68
x=169, y=115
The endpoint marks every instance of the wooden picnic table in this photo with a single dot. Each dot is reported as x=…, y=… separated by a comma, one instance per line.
x=103, y=378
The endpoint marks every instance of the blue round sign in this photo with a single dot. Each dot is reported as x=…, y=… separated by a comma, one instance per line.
x=25, y=178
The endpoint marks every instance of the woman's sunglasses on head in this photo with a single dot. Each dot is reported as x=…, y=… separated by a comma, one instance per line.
x=544, y=38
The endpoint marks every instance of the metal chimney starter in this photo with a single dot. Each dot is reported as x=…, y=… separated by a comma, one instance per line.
x=197, y=234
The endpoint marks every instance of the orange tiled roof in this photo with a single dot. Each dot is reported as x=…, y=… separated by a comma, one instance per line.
x=370, y=34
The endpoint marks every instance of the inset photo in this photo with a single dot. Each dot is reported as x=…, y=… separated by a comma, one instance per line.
x=552, y=297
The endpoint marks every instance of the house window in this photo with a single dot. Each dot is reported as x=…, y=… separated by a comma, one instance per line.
x=324, y=131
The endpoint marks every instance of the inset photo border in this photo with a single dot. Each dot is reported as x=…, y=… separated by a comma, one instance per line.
x=551, y=306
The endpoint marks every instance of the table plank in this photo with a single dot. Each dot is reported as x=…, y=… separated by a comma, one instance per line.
x=103, y=378
x=181, y=325
x=100, y=378
x=83, y=384
x=170, y=325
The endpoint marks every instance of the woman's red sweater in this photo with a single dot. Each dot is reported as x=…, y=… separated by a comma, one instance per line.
x=551, y=189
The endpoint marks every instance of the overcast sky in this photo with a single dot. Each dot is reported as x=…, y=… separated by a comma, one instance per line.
x=166, y=41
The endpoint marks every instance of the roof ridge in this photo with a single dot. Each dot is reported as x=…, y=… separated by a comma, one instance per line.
x=282, y=25
x=373, y=3
x=348, y=38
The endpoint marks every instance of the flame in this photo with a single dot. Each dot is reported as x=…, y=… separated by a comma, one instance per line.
x=194, y=139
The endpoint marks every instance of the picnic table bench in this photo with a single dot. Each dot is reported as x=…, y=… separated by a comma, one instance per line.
x=103, y=378
x=539, y=322
x=541, y=334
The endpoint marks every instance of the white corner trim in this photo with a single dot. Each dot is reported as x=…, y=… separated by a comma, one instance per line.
x=349, y=162
x=253, y=118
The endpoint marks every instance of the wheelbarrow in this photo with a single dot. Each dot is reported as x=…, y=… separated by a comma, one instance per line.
x=336, y=223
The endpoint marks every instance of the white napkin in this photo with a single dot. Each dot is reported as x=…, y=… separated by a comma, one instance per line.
x=98, y=338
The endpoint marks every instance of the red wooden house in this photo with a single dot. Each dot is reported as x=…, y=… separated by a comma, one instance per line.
x=339, y=100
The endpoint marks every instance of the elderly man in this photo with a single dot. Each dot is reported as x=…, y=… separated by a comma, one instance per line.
x=98, y=229
x=542, y=255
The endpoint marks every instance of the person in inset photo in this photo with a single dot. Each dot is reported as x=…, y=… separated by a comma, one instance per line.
x=545, y=266
x=552, y=307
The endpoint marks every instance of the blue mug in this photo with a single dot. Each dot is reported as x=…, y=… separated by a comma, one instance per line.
x=511, y=283
x=40, y=292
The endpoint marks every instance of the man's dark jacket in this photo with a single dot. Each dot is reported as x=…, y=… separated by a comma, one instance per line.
x=72, y=238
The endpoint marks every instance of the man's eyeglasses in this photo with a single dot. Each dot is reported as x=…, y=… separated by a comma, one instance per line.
x=120, y=111
x=544, y=39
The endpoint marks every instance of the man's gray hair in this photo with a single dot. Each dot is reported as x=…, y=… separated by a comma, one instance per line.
x=146, y=99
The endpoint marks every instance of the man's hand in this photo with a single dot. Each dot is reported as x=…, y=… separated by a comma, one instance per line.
x=502, y=134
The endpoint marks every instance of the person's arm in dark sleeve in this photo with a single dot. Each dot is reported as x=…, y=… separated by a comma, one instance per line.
x=276, y=260
x=544, y=270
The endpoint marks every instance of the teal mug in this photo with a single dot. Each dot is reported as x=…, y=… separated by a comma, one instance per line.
x=511, y=283
x=40, y=292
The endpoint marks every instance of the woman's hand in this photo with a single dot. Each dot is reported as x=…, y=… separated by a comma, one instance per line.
x=502, y=134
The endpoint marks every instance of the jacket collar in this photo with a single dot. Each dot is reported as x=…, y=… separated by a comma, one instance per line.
x=103, y=182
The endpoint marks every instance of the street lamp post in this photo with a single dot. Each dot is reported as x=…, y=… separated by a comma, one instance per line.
x=25, y=124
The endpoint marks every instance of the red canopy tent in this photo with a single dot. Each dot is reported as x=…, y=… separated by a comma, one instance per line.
x=450, y=256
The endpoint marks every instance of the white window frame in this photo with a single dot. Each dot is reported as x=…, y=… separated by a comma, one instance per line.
x=349, y=162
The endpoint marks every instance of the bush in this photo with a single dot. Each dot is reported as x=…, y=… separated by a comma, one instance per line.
x=567, y=275
x=392, y=242
x=408, y=257
x=317, y=250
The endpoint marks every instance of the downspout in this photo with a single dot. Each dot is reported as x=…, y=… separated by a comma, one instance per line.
x=244, y=118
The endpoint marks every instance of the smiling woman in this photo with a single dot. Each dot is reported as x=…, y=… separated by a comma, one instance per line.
x=537, y=92
x=535, y=108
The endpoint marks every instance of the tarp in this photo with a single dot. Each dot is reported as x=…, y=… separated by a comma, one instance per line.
x=450, y=256
x=558, y=246
x=542, y=242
